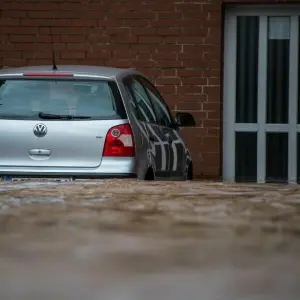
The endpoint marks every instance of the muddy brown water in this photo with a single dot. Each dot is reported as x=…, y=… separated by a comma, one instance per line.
x=133, y=240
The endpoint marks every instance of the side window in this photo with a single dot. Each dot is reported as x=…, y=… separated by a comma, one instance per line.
x=142, y=104
x=164, y=116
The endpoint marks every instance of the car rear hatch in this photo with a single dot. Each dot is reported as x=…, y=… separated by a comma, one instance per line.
x=56, y=121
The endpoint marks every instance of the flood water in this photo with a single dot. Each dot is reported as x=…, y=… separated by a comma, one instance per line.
x=133, y=240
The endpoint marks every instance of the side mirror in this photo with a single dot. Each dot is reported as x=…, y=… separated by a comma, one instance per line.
x=185, y=119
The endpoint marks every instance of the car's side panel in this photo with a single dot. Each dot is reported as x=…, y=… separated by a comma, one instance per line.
x=152, y=150
x=177, y=159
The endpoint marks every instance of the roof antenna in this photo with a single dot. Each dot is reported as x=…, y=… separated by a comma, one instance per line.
x=54, y=67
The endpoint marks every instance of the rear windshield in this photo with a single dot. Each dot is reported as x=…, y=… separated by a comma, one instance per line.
x=29, y=98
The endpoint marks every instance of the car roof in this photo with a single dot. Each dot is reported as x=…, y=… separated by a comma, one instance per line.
x=109, y=72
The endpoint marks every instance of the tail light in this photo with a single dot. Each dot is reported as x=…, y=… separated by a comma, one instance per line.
x=119, y=142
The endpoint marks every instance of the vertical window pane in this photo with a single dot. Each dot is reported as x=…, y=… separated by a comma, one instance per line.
x=277, y=157
x=245, y=156
x=247, y=69
x=299, y=78
x=298, y=157
x=278, y=70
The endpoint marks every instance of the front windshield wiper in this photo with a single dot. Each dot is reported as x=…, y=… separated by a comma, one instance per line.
x=60, y=117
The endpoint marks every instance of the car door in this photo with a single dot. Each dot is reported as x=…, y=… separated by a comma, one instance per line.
x=167, y=123
x=145, y=114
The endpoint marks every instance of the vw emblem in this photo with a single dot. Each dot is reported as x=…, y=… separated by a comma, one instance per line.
x=40, y=130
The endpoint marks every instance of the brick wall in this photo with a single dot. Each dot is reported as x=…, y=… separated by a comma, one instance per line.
x=177, y=44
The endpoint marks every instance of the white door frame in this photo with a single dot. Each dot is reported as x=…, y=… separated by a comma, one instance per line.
x=229, y=88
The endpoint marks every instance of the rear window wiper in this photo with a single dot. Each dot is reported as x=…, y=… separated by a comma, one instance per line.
x=60, y=117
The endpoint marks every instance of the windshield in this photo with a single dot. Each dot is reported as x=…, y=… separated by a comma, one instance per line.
x=30, y=99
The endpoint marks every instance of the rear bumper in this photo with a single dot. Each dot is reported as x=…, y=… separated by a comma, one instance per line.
x=122, y=167
x=77, y=176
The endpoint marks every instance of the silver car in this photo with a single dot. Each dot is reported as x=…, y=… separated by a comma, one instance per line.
x=84, y=121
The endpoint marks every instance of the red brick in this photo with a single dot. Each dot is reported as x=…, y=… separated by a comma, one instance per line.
x=192, y=99
x=143, y=31
x=195, y=31
x=169, y=31
x=186, y=106
x=9, y=22
x=169, y=73
x=143, y=56
x=123, y=39
x=189, y=56
x=168, y=81
x=166, y=89
x=124, y=55
x=7, y=46
x=136, y=15
x=171, y=39
x=84, y=22
x=72, y=6
x=211, y=73
x=22, y=38
x=68, y=61
x=13, y=62
x=135, y=22
x=144, y=64
x=69, y=30
x=13, y=14
x=150, y=39
x=164, y=23
x=11, y=54
x=37, y=61
x=169, y=15
x=168, y=48
x=164, y=56
x=196, y=63
x=184, y=7
x=73, y=54
x=117, y=48
x=168, y=64
x=211, y=106
x=190, y=73
x=149, y=72
x=44, y=23
x=193, y=89
x=214, y=115
x=13, y=6
x=118, y=63
x=143, y=48
x=19, y=30
x=39, y=54
x=95, y=38
x=78, y=46
x=161, y=6
x=213, y=132
x=194, y=81
x=99, y=55
x=3, y=37
x=211, y=123
x=94, y=62
x=214, y=81
x=46, y=38
x=212, y=91
x=117, y=31
x=73, y=38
